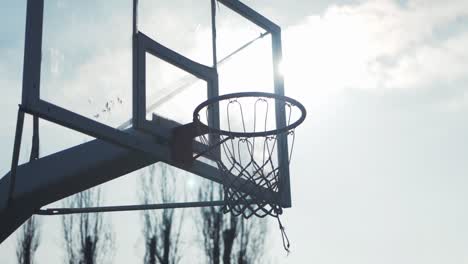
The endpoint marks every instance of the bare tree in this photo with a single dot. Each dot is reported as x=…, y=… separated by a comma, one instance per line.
x=161, y=228
x=88, y=237
x=219, y=231
x=211, y=222
x=237, y=239
x=28, y=241
x=229, y=235
x=251, y=240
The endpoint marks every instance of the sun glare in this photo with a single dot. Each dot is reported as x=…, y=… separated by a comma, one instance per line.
x=281, y=69
x=329, y=53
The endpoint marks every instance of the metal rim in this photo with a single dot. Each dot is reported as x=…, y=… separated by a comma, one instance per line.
x=277, y=131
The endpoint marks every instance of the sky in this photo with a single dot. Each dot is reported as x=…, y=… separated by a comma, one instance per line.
x=379, y=166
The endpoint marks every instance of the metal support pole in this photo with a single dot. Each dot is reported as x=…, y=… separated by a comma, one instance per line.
x=135, y=76
x=283, y=153
x=16, y=152
x=32, y=52
x=213, y=87
x=213, y=33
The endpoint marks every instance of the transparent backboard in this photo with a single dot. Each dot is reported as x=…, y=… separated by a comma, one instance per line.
x=103, y=69
x=86, y=59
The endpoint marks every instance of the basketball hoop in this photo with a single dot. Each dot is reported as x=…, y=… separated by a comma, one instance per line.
x=245, y=144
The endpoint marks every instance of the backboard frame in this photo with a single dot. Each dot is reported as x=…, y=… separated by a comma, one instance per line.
x=33, y=104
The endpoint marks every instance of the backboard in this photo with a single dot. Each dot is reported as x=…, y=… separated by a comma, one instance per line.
x=150, y=130
x=243, y=64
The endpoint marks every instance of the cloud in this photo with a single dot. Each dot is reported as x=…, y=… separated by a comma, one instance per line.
x=380, y=45
x=56, y=60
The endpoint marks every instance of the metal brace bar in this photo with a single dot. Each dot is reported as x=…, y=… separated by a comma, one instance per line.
x=16, y=152
x=121, y=208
